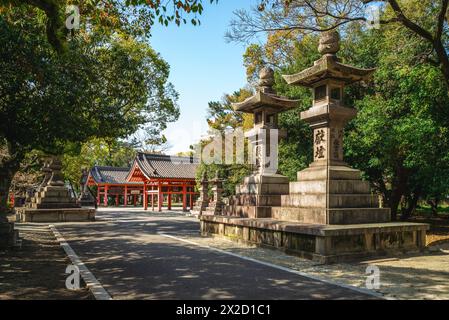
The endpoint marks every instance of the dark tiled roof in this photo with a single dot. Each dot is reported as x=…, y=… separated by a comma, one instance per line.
x=111, y=175
x=163, y=166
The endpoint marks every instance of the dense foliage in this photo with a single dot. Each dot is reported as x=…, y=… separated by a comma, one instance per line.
x=400, y=138
x=106, y=85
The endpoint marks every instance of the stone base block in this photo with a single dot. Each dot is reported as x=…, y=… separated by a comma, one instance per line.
x=247, y=211
x=321, y=200
x=255, y=200
x=263, y=185
x=331, y=186
x=322, y=243
x=54, y=205
x=260, y=179
x=336, y=216
x=263, y=189
x=334, y=173
x=55, y=215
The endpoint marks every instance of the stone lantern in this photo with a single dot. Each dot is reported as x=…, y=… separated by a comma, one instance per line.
x=265, y=106
x=328, y=115
x=329, y=214
x=203, y=201
x=329, y=191
x=262, y=190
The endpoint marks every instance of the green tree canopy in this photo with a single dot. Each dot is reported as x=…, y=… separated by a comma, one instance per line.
x=98, y=88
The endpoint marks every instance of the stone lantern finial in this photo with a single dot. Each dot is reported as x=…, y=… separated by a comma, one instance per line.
x=329, y=42
x=266, y=80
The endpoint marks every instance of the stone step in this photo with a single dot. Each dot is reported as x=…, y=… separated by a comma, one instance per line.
x=56, y=215
x=54, y=193
x=54, y=200
x=335, y=186
x=62, y=205
x=263, y=189
x=338, y=216
x=333, y=173
x=318, y=200
x=270, y=179
x=247, y=211
x=255, y=200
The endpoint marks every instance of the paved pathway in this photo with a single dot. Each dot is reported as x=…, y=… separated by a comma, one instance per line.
x=132, y=261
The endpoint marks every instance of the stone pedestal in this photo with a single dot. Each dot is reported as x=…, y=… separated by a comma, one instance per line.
x=319, y=242
x=86, y=199
x=53, y=203
x=257, y=195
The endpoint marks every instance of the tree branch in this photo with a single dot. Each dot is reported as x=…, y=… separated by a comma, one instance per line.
x=441, y=18
x=408, y=23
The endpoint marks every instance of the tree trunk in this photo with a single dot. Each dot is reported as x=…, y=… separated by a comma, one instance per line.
x=8, y=169
x=6, y=177
x=395, y=199
x=412, y=202
x=434, y=205
x=444, y=60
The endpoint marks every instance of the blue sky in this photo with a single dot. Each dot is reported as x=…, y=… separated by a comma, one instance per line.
x=203, y=67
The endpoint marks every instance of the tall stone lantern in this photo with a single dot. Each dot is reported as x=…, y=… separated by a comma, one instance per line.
x=265, y=106
x=329, y=191
x=263, y=189
x=329, y=214
x=328, y=115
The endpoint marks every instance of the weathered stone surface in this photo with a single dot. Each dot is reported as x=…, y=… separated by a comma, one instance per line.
x=331, y=173
x=323, y=200
x=255, y=200
x=323, y=243
x=56, y=215
x=262, y=179
x=332, y=216
x=247, y=211
x=263, y=188
x=335, y=186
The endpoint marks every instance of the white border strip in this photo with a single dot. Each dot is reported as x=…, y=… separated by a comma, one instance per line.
x=92, y=283
x=299, y=273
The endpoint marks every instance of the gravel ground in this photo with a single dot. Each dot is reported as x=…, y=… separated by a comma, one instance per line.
x=37, y=270
x=424, y=276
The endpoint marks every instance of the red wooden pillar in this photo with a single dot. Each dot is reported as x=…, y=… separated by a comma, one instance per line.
x=184, y=197
x=160, y=197
x=169, y=200
x=98, y=195
x=105, y=199
x=125, y=201
x=134, y=200
x=145, y=199
x=191, y=200
x=117, y=200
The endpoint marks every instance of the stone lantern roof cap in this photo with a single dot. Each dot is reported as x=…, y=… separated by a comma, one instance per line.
x=329, y=66
x=265, y=96
x=267, y=100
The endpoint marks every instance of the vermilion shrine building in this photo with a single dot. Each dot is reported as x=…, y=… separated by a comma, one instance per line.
x=152, y=181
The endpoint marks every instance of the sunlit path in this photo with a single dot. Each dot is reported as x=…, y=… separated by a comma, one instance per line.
x=132, y=261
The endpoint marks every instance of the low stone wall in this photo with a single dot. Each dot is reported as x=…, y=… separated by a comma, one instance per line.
x=323, y=243
x=55, y=215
